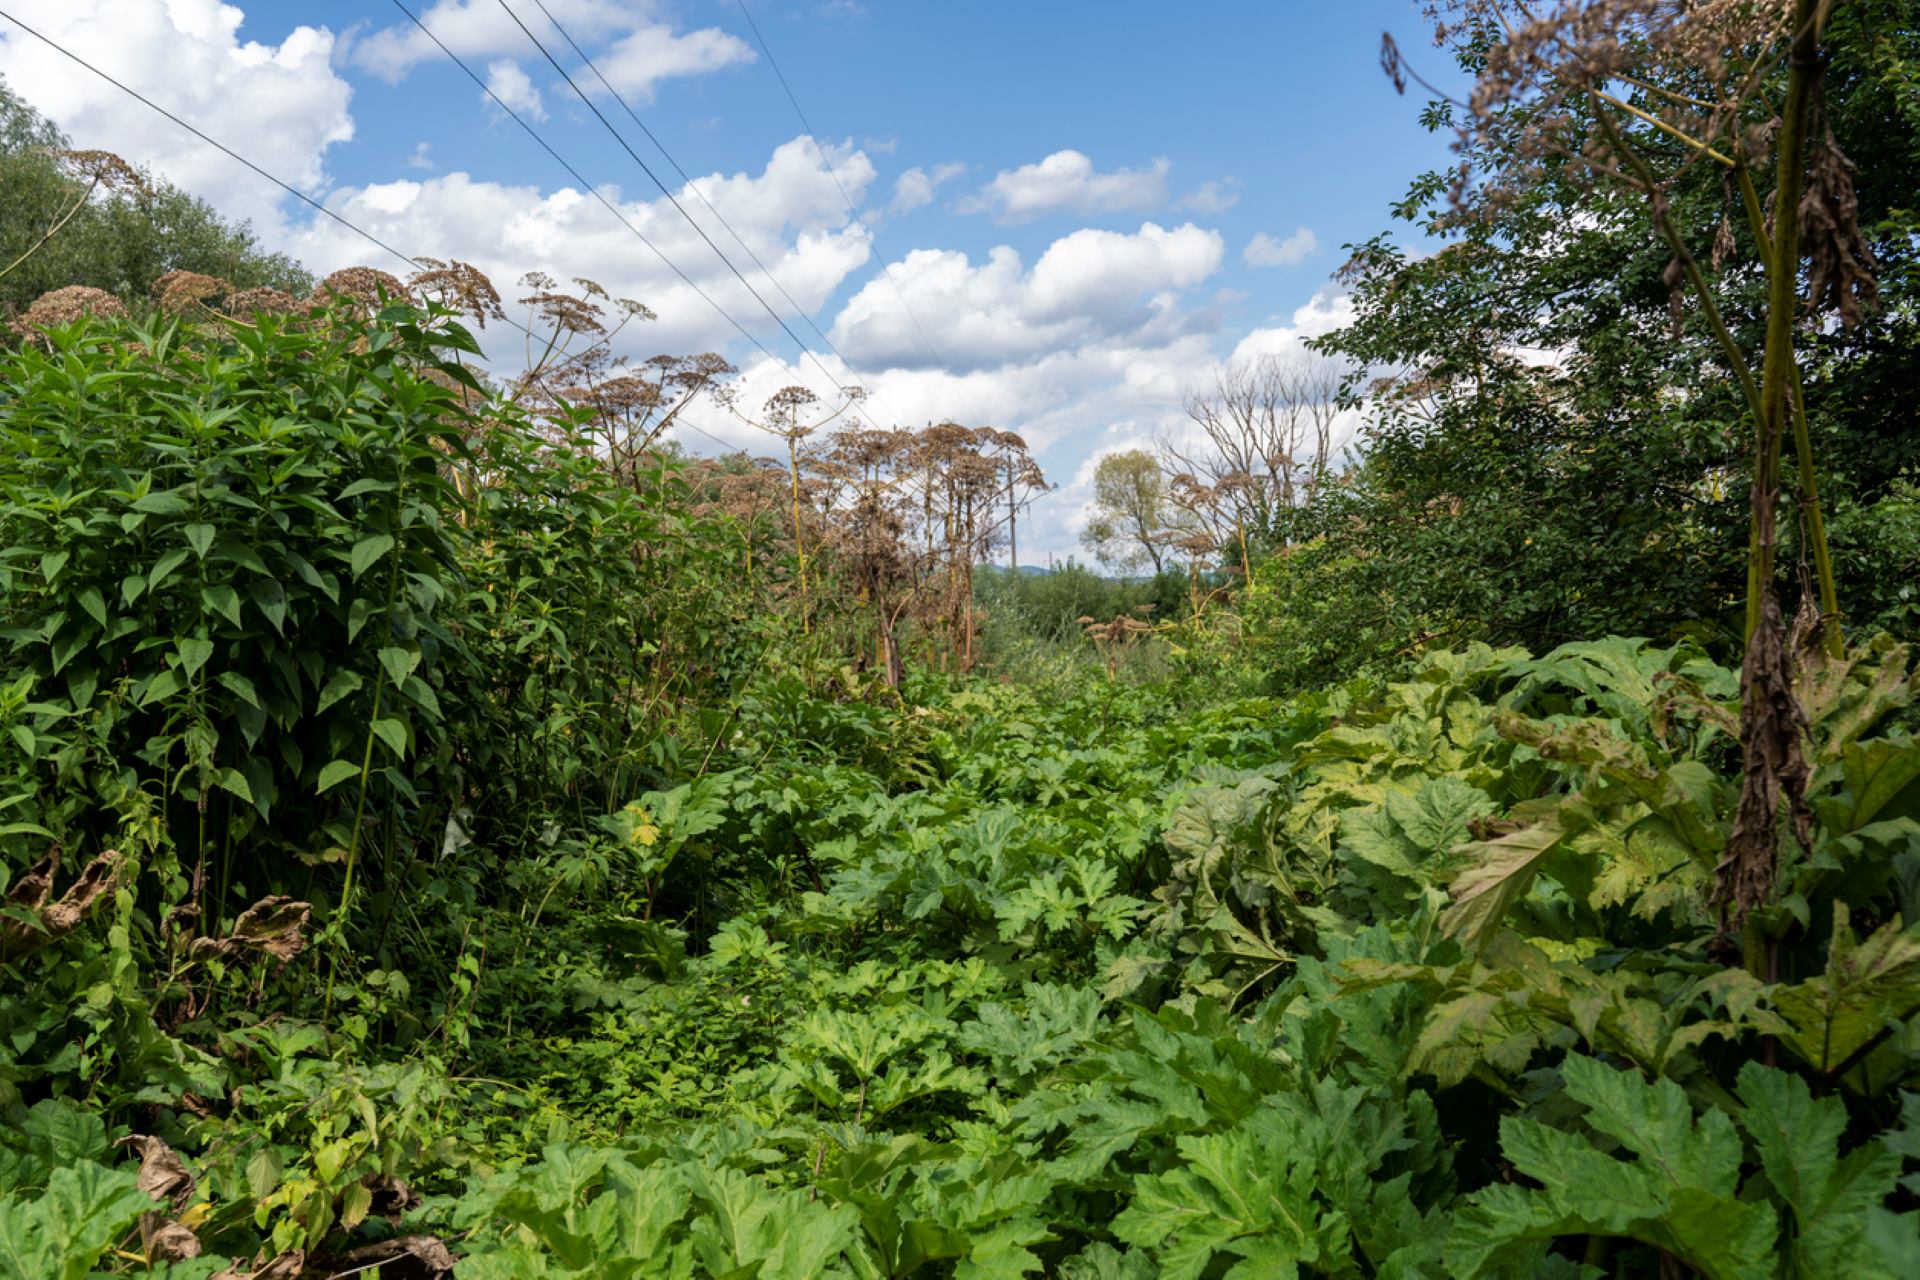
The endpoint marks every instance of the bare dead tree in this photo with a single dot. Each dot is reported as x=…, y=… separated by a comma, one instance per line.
x=1264, y=445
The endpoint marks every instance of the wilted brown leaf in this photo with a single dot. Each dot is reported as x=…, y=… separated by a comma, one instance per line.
x=33, y=891
x=169, y=1241
x=162, y=1174
x=417, y=1257
x=273, y=926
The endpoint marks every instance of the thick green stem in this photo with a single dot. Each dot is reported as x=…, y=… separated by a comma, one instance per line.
x=1832, y=634
x=1816, y=532
x=1778, y=370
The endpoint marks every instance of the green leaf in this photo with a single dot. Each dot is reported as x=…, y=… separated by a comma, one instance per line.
x=1876, y=772
x=1866, y=987
x=271, y=599
x=1501, y=871
x=165, y=683
x=399, y=664
x=199, y=537
x=53, y=562
x=236, y=782
x=358, y=614
x=1680, y=1194
x=163, y=567
x=263, y=1172
x=54, y=1132
x=240, y=686
x=194, y=653
x=96, y=606
x=61, y=1235
x=1798, y=1138
x=421, y=694
x=393, y=733
x=359, y=487
x=337, y=772
x=223, y=600
x=368, y=551
x=339, y=685
x=165, y=503
x=1231, y=1197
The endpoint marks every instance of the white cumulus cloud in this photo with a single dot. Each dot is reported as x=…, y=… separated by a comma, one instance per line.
x=1264, y=251
x=1212, y=197
x=636, y=63
x=514, y=87
x=634, y=47
x=790, y=213
x=1092, y=284
x=916, y=187
x=187, y=56
x=482, y=28
x=1067, y=182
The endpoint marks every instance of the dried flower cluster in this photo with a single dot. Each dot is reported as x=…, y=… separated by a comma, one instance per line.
x=181, y=291
x=361, y=287
x=100, y=170
x=63, y=307
x=459, y=286
x=262, y=300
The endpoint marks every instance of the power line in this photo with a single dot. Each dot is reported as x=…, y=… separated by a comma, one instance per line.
x=886, y=268
x=805, y=350
x=687, y=179
x=587, y=186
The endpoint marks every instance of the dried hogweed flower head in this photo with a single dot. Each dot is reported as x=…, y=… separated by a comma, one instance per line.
x=461, y=286
x=101, y=169
x=1544, y=70
x=564, y=311
x=64, y=306
x=363, y=286
x=1585, y=80
x=264, y=300
x=179, y=291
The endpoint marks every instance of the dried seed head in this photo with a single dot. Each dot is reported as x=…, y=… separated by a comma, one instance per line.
x=64, y=306
x=102, y=169
x=461, y=286
x=365, y=287
x=179, y=291
x=263, y=300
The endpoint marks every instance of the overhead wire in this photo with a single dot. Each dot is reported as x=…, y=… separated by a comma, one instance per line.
x=685, y=178
x=806, y=351
x=813, y=137
x=598, y=194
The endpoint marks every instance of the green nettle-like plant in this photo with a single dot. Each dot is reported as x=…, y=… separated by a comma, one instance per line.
x=226, y=557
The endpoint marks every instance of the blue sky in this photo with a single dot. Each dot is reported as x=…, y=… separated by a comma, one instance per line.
x=1087, y=206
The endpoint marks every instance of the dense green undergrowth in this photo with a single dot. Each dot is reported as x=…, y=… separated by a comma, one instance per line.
x=420, y=849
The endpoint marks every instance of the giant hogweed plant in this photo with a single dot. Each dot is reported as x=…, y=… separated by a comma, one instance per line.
x=1542, y=836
